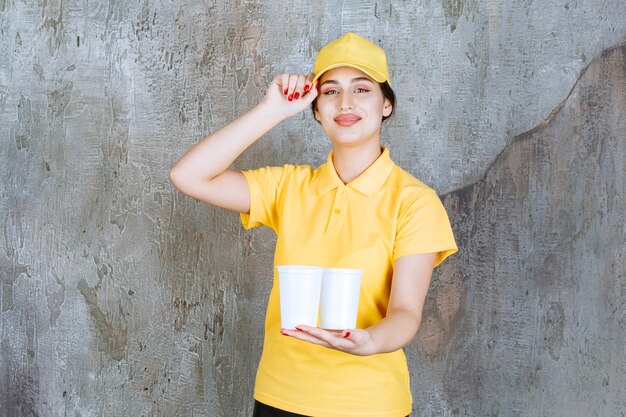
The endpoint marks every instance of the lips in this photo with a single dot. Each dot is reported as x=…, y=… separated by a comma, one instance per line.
x=347, y=119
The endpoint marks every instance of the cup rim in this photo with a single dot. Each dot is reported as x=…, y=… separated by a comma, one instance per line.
x=352, y=271
x=300, y=268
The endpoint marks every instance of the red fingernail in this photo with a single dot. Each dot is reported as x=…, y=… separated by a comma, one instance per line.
x=283, y=333
x=317, y=83
x=296, y=96
x=297, y=328
x=347, y=335
x=285, y=92
x=290, y=97
x=306, y=88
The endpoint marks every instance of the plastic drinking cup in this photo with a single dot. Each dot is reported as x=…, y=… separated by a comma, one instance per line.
x=339, y=303
x=300, y=288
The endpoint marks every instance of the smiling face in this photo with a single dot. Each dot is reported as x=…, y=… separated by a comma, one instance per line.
x=351, y=106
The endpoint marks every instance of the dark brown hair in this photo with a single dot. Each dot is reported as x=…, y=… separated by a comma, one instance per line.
x=387, y=93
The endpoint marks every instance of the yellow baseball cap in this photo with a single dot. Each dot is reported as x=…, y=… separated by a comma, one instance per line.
x=352, y=50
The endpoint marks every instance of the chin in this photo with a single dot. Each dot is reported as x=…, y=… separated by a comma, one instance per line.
x=348, y=141
x=350, y=138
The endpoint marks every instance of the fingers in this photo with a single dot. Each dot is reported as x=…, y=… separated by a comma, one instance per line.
x=291, y=86
x=308, y=85
x=295, y=86
x=284, y=83
x=328, y=338
x=304, y=336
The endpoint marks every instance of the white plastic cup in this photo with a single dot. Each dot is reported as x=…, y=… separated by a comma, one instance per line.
x=340, y=298
x=300, y=288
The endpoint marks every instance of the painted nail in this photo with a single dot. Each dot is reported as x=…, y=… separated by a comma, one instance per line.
x=285, y=92
x=299, y=329
x=347, y=335
x=283, y=333
x=296, y=96
x=290, y=97
x=317, y=83
x=306, y=88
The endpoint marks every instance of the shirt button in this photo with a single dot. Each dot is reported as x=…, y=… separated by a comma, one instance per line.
x=336, y=211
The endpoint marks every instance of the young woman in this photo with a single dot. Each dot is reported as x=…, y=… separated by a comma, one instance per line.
x=358, y=210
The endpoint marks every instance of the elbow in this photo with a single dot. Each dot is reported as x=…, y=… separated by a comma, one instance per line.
x=174, y=177
x=413, y=333
x=414, y=320
x=187, y=183
x=408, y=341
x=178, y=180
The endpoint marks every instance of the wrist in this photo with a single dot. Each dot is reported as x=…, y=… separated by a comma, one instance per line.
x=373, y=346
x=271, y=111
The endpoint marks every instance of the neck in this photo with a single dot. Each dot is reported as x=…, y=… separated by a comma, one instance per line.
x=350, y=162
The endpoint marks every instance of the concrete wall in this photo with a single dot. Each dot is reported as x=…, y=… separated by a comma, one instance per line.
x=121, y=297
x=530, y=318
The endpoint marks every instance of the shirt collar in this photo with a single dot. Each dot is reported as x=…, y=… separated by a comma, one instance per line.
x=370, y=180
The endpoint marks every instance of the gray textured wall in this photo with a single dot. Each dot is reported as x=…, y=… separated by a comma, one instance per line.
x=120, y=297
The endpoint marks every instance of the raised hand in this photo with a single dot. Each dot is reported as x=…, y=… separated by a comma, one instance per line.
x=289, y=94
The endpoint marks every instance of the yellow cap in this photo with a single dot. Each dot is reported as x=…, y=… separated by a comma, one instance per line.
x=352, y=50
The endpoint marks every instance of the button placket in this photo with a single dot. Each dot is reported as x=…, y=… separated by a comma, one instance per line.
x=337, y=212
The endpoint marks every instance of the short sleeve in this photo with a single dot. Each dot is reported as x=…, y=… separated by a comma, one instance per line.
x=423, y=227
x=263, y=185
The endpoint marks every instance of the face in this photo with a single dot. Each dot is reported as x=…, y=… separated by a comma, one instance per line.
x=351, y=106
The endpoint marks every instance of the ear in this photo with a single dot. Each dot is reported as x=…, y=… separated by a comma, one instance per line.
x=317, y=116
x=387, y=108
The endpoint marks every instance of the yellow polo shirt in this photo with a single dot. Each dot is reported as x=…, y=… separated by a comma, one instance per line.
x=380, y=216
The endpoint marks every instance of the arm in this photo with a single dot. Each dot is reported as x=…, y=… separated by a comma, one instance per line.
x=411, y=279
x=202, y=172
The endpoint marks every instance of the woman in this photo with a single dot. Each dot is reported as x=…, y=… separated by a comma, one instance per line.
x=358, y=210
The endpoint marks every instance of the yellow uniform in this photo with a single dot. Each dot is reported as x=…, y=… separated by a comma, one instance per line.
x=366, y=224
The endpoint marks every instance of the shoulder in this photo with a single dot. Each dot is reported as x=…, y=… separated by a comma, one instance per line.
x=409, y=187
x=280, y=174
x=297, y=173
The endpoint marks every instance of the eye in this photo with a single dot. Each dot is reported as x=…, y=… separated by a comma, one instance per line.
x=359, y=89
x=329, y=92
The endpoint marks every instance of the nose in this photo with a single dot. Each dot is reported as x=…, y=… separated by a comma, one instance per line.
x=345, y=103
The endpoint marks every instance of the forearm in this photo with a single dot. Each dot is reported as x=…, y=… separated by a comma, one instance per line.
x=394, y=332
x=216, y=152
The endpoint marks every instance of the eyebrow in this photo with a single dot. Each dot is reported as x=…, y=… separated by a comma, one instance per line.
x=353, y=80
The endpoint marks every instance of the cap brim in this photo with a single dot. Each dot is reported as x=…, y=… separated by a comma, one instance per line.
x=375, y=75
